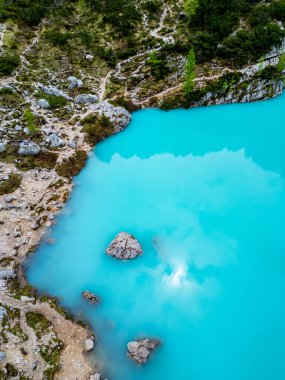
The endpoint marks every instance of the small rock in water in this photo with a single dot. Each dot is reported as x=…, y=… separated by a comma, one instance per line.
x=90, y=297
x=124, y=246
x=89, y=344
x=139, y=350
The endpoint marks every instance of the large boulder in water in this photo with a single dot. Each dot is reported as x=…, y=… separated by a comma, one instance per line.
x=124, y=247
x=140, y=350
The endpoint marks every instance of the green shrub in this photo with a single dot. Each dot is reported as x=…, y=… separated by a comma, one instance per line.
x=97, y=128
x=72, y=165
x=11, y=370
x=38, y=322
x=31, y=121
x=44, y=160
x=11, y=184
x=56, y=37
x=54, y=101
x=8, y=63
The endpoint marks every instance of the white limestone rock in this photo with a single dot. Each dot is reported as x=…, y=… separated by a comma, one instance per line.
x=54, y=141
x=74, y=82
x=29, y=148
x=86, y=99
x=43, y=103
x=89, y=344
x=124, y=247
x=119, y=116
x=52, y=90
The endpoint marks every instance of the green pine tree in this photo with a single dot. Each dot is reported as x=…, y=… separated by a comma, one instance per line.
x=189, y=73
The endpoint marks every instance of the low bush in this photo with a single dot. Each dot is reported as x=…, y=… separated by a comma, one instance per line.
x=8, y=63
x=38, y=322
x=97, y=128
x=56, y=37
x=72, y=165
x=11, y=184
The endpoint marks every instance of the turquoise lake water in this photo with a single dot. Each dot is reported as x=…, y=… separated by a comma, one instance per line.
x=203, y=191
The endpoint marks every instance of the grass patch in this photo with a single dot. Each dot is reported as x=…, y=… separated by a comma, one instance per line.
x=44, y=160
x=38, y=322
x=11, y=184
x=72, y=165
x=51, y=356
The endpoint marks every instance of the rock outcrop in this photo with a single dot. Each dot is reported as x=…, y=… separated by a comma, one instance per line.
x=54, y=141
x=89, y=344
x=91, y=297
x=140, y=350
x=86, y=99
x=74, y=82
x=124, y=247
x=43, y=103
x=118, y=116
x=29, y=148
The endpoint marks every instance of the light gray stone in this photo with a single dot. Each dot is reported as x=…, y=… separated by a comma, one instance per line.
x=3, y=312
x=55, y=141
x=52, y=90
x=29, y=148
x=89, y=344
x=124, y=246
x=119, y=116
x=43, y=103
x=74, y=82
x=96, y=376
x=2, y=356
x=71, y=144
x=86, y=99
x=7, y=273
x=2, y=147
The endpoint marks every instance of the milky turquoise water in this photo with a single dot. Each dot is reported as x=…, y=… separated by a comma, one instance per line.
x=203, y=191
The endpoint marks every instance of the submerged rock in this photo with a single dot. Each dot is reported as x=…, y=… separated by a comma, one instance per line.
x=29, y=148
x=90, y=297
x=140, y=350
x=124, y=246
